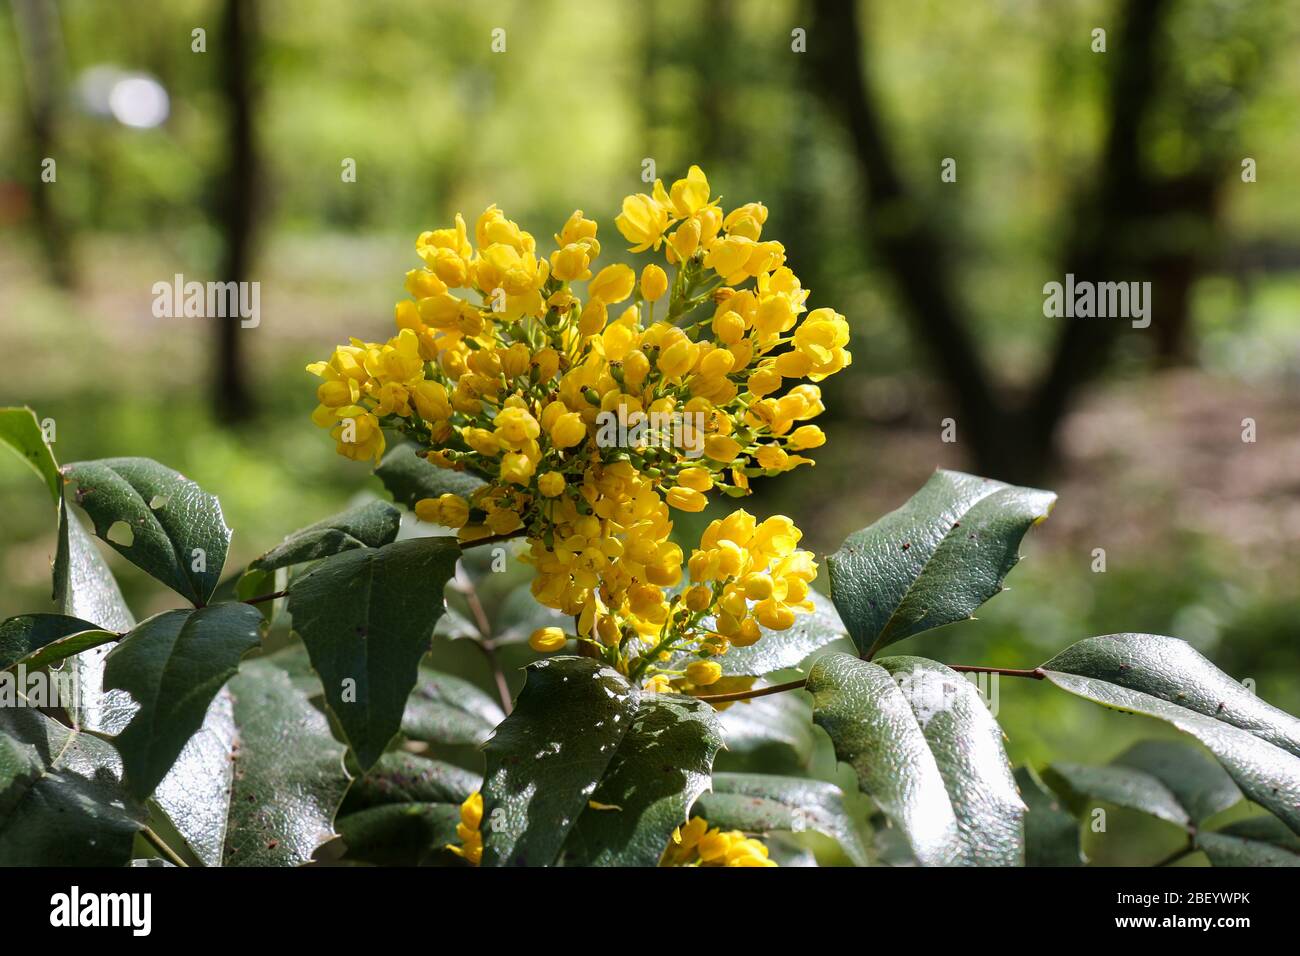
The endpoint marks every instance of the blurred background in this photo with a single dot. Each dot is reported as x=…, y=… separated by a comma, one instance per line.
x=219, y=155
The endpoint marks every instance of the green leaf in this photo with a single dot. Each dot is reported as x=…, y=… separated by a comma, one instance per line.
x=443, y=709
x=176, y=531
x=779, y=721
x=1122, y=786
x=61, y=799
x=401, y=777
x=408, y=477
x=1258, y=841
x=173, y=665
x=934, y=560
x=400, y=834
x=367, y=617
x=662, y=765
x=926, y=749
x=369, y=525
x=20, y=430
x=39, y=640
x=1201, y=786
x=260, y=783
x=546, y=758
x=763, y=803
x=1051, y=834
x=1165, y=678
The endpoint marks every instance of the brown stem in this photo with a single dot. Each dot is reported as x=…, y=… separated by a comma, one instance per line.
x=488, y=646
x=167, y=853
x=1035, y=673
x=266, y=597
x=492, y=539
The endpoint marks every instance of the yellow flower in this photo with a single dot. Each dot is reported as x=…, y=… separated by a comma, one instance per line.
x=548, y=640
x=450, y=511
x=654, y=282
x=551, y=484
x=703, y=673
x=644, y=219
x=612, y=284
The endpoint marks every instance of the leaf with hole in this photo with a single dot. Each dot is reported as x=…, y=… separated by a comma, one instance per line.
x=174, y=530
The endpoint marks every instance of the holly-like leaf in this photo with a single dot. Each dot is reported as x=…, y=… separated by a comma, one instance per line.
x=1051, y=834
x=763, y=803
x=61, y=798
x=934, y=560
x=546, y=759
x=1201, y=786
x=260, y=783
x=369, y=525
x=400, y=834
x=778, y=721
x=408, y=477
x=173, y=665
x=443, y=709
x=1257, y=841
x=367, y=617
x=39, y=640
x=1127, y=787
x=926, y=749
x=159, y=520
x=1165, y=678
x=401, y=777
x=662, y=765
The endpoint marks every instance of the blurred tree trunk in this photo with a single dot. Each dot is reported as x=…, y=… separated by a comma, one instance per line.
x=36, y=26
x=903, y=237
x=1015, y=441
x=235, y=199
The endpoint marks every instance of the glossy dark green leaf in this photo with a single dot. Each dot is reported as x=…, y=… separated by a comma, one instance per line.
x=661, y=766
x=367, y=617
x=443, y=709
x=401, y=777
x=1201, y=786
x=61, y=799
x=408, y=477
x=926, y=749
x=764, y=803
x=177, y=532
x=260, y=782
x=38, y=640
x=369, y=525
x=1079, y=785
x=1256, y=841
x=1051, y=834
x=545, y=760
x=399, y=834
x=934, y=560
x=1166, y=679
x=173, y=665
x=778, y=721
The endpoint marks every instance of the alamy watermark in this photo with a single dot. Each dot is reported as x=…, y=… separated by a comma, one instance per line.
x=40, y=688
x=1101, y=300
x=208, y=300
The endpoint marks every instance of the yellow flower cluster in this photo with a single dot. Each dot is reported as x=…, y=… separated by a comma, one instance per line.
x=698, y=844
x=592, y=425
